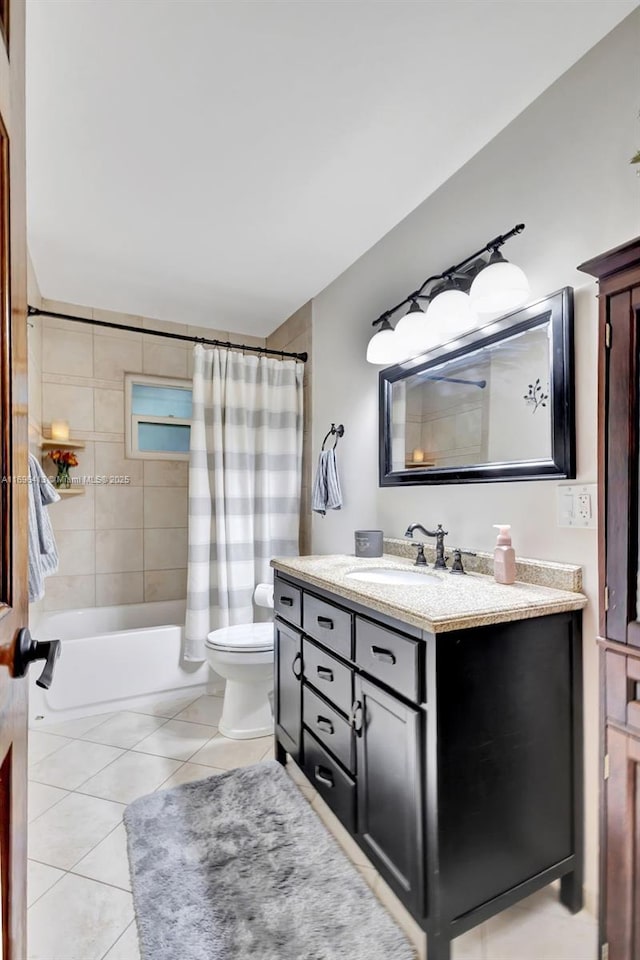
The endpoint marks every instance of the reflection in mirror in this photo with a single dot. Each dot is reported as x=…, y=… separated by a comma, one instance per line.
x=494, y=404
x=489, y=406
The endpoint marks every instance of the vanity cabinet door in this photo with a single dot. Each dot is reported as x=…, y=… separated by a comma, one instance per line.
x=389, y=789
x=288, y=687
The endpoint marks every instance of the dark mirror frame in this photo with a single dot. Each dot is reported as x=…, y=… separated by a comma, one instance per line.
x=557, y=308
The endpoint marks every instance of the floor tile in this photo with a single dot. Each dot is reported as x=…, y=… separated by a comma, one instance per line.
x=108, y=862
x=470, y=946
x=203, y=710
x=176, y=739
x=68, y=831
x=129, y=777
x=124, y=729
x=58, y=930
x=526, y=935
x=40, y=878
x=41, y=796
x=126, y=948
x=546, y=903
x=167, y=707
x=74, y=728
x=227, y=754
x=43, y=745
x=187, y=773
x=403, y=918
x=70, y=766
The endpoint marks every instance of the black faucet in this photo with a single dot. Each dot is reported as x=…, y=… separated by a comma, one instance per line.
x=457, y=560
x=439, y=534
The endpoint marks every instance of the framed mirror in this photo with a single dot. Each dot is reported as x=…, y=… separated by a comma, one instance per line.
x=495, y=404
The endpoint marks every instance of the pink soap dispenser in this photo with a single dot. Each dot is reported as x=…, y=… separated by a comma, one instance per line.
x=504, y=557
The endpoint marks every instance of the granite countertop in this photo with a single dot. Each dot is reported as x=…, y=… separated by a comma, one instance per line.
x=446, y=602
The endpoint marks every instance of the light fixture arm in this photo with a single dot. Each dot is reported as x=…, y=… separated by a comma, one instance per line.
x=451, y=272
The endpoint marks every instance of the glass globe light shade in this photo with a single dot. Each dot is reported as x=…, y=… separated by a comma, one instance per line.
x=412, y=333
x=383, y=346
x=451, y=314
x=499, y=287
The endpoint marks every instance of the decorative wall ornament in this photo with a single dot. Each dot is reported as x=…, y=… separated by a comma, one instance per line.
x=536, y=398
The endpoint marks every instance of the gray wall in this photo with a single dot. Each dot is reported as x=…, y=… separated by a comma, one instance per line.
x=562, y=167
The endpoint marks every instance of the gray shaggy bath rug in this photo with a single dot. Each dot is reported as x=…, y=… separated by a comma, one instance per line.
x=239, y=867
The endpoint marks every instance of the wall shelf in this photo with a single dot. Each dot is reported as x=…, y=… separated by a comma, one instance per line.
x=72, y=491
x=48, y=444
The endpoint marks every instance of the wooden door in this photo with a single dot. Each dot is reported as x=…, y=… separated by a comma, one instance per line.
x=618, y=273
x=288, y=687
x=389, y=782
x=13, y=495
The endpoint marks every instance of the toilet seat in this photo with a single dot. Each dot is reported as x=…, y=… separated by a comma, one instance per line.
x=243, y=638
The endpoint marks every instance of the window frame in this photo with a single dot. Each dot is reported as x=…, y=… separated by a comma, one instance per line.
x=132, y=420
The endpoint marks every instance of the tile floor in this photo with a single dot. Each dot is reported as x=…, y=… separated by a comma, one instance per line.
x=84, y=772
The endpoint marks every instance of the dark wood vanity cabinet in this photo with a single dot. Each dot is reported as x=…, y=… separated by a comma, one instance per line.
x=618, y=274
x=454, y=760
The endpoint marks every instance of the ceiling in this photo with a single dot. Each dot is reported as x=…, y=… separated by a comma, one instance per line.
x=219, y=163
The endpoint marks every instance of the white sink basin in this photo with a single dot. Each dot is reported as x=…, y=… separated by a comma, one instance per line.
x=392, y=576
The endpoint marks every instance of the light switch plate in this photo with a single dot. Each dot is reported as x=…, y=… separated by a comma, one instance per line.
x=578, y=505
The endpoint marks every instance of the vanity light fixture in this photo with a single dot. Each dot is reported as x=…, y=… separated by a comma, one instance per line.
x=457, y=295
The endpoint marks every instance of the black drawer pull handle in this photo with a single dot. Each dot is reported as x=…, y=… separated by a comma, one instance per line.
x=296, y=666
x=286, y=601
x=384, y=655
x=325, y=725
x=357, y=717
x=325, y=623
x=325, y=674
x=324, y=776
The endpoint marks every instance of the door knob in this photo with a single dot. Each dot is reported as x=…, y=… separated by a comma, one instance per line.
x=28, y=650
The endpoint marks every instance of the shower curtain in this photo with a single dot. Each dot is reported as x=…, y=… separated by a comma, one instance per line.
x=245, y=471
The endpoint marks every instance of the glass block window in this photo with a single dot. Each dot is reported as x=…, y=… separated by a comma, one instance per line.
x=158, y=417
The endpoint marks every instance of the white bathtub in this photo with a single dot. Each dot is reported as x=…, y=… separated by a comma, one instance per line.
x=113, y=658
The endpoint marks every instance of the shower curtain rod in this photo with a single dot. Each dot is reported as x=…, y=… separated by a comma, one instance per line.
x=37, y=312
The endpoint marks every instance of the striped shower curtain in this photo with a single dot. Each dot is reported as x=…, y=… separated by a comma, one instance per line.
x=244, y=484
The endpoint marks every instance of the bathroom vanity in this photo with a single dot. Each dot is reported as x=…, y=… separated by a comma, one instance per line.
x=443, y=726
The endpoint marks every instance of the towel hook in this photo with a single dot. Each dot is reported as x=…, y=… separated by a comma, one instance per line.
x=335, y=431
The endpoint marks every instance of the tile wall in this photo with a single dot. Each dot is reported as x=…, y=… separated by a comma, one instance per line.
x=117, y=543
x=295, y=335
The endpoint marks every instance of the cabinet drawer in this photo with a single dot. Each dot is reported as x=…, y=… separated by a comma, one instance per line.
x=332, y=678
x=287, y=601
x=389, y=657
x=329, y=727
x=331, y=782
x=328, y=624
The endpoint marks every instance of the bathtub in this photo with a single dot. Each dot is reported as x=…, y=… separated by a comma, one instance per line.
x=113, y=658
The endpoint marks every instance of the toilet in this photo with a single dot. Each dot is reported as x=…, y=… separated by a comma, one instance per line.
x=243, y=655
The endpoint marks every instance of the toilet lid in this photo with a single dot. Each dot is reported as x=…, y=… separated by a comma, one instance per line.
x=245, y=637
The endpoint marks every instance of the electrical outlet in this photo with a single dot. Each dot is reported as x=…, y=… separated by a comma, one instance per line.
x=577, y=506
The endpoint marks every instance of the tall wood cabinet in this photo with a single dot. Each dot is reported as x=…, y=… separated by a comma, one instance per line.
x=618, y=274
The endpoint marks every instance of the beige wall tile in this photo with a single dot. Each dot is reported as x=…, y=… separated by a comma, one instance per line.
x=165, y=549
x=64, y=402
x=73, y=309
x=114, y=588
x=297, y=324
x=111, y=316
x=114, y=357
x=164, y=359
x=111, y=462
x=165, y=585
x=76, y=550
x=209, y=333
x=119, y=551
x=74, y=513
x=67, y=352
x=166, y=473
x=165, y=507
x=68, y=593
x=118, y=507
x=167, y=326
x=109, y=411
